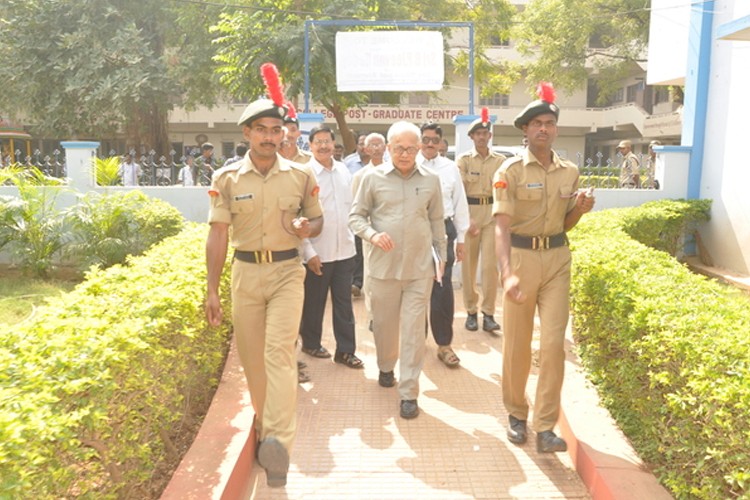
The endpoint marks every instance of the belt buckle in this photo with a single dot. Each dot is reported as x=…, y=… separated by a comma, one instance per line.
x=540, y=243
x=263, y=257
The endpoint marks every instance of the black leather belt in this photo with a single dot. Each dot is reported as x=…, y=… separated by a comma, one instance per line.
x=538, y=242
x=265, y=256
x=482, y=200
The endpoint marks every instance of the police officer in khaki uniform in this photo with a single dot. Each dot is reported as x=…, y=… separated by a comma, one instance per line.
x=477, y=167
x=536, y=201
x=289, y=148
x=630, y=177
x=270, y=205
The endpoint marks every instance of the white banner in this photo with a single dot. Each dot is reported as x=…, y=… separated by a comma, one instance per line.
x=389, y=61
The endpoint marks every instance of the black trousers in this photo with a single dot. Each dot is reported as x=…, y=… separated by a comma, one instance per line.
x=337, y=277
x=441, y=301
x=358, y=277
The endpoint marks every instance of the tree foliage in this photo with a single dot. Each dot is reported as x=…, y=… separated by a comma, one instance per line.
x=574, y=40
x=93, y=68
x=274, y=31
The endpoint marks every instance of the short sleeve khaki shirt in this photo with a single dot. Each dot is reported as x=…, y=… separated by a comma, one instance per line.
x=260, y=209
x=477, y=171
x=536, y=199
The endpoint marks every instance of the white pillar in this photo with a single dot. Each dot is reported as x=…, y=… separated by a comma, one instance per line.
x=79, y=164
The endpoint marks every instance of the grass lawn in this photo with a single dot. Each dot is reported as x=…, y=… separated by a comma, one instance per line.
x=19, y=296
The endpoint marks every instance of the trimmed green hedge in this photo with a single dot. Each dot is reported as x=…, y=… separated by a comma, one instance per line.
x=669, y=349
x=94, y=389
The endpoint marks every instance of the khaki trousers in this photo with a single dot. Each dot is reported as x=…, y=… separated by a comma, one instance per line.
x=483, y=243
x=266, y=310
x=545, y=279
x=399, y=313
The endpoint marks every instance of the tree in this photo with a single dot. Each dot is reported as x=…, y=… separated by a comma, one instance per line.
x=574, y=40
x=273, y=31
x=92, y=68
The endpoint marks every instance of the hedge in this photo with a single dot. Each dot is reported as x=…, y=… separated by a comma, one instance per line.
x=669, y=349
x=95, y=388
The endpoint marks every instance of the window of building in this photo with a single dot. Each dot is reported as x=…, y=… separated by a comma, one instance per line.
x=419, y=98
x=497, y=100
x=632, y=94
x=661, y=94
x=390, y=98
x=497, y=41
x=227, y=149
x=619, y=95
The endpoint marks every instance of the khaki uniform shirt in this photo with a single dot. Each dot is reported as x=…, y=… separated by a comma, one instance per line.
x=410, y=210
x=476, y=174
x=536, y=199
x=302, y=156
x=261, y=208
x=629, y=169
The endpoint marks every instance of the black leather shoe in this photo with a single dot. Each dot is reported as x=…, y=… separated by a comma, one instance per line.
x=386, y=379
x=517, y=433
x=273, y=457
x=409, y=408
x=489, y=324
x=471, y=322
x=548, y=442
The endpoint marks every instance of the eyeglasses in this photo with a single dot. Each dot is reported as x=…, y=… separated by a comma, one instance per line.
x=399, y=150
x=428, y=140
x=322, y=142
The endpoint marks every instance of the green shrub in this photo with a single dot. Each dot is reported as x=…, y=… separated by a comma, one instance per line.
x=34, y=227
x=95, y=387
x=106, y=228
x=669, y=349
x=107, y=170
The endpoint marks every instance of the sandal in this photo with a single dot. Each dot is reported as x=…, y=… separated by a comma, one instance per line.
x=348, y=359
x=320, y=352
x=303, y=376
x=447, y=356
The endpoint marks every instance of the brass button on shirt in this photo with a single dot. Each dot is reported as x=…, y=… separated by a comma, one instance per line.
x=536, y=199
x=261, y=208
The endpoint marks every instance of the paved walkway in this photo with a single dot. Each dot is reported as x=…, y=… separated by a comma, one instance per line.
x=351, y=443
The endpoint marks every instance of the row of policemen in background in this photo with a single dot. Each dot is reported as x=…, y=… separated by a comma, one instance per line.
x=405, y=210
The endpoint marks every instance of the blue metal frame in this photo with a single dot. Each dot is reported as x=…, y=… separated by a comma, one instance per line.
x=696, y=91
x=397, y=24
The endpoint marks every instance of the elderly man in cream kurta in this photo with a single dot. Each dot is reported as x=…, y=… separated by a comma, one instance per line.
x=399, y=210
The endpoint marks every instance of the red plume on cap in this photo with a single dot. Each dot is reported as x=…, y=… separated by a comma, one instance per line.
x=546, y=92
x=485, y=116
x=273, y=84
x=292, y=113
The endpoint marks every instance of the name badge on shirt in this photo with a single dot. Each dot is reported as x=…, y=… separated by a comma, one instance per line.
x=535, y=185
x=240, y=197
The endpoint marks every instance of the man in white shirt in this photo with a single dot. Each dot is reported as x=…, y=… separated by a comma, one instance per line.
x=186, y=175
x=456, y=212
x=375, y=148
x=329, y=257
x=130, y=171
x=357, y=160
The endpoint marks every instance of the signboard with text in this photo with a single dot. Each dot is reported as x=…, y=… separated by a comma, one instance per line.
x=401, y=61
x=391, y=114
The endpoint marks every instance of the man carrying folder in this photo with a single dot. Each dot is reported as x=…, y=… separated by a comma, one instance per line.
x=398, y=208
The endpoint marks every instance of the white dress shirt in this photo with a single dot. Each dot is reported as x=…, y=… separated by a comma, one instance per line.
x=454, y=195
x=335, y=241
